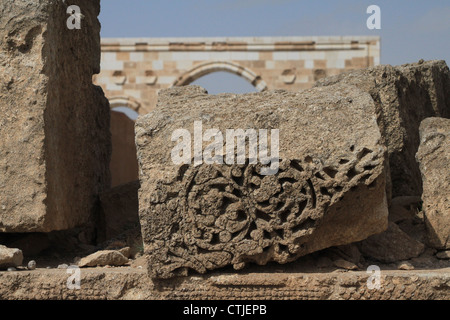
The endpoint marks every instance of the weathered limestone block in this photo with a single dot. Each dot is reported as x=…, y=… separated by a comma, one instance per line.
x=404, y=96
x=434, y=159
x=54, y=128
x=329, y=188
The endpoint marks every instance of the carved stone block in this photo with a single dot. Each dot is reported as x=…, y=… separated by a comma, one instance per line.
x=328, y=189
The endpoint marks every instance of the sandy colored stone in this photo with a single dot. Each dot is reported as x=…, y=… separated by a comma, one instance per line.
x=135, y=284
x=392, y=245
x=10, y=257
x=405, y=265
x=434, y=158
x=103, y=258
x=404, y=96
x=344, y=264
x=329, y=189
x=54, y=137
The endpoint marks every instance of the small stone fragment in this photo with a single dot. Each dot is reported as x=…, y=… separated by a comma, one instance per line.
x=443, y=254
x=104, y=258
x=344, y=264
x=31, y=265
x=405, y=265
x=11, y=269
x=126, y=252
x=63, y=266
x=10, y=257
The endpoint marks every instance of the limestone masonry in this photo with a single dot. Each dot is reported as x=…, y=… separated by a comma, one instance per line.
x=134, y=69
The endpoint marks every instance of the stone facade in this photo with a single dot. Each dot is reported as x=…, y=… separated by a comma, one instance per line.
x=54, y=129
x=134, y=69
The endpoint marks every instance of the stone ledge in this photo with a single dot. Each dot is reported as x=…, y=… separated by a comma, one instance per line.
x=134, y=284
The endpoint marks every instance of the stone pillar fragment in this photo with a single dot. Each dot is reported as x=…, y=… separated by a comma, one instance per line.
x=328, y=188
x=434, y=159
x=54, y=129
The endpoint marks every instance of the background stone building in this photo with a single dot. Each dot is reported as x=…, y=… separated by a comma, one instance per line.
x=134, y=69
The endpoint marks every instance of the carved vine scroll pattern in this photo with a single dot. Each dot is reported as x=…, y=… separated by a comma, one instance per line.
x=230, y=214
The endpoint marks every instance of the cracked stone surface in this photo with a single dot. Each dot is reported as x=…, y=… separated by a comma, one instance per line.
x=404, y=95
x=434, y=158
x=54, y=136
x=329, y=189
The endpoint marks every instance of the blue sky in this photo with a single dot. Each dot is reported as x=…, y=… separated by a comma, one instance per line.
x=410, y=29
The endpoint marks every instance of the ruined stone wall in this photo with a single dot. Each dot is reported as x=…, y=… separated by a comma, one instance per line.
x=55, y=142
